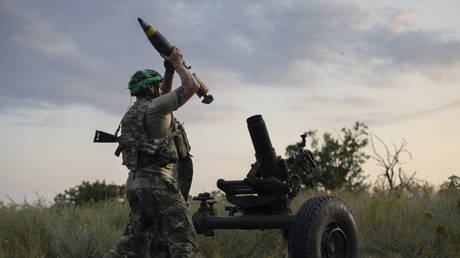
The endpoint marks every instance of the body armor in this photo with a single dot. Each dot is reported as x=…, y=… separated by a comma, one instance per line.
x=133, y=126
x=135, y=158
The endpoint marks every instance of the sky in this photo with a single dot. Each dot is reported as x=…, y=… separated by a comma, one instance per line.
x=302, y=64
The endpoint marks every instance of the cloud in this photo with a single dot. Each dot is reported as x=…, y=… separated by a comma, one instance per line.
x=401, y=20
x=376, y=118
x=66, y=54
x=265, y=41
x=45, y=65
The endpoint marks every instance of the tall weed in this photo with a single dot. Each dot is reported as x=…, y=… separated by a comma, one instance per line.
x=390, y=224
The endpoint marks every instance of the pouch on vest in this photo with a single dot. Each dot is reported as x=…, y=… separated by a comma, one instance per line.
x=183, y=173
x=180, y=139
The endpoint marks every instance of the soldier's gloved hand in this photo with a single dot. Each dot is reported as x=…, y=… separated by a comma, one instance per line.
x=169, y=68
x=175, y=58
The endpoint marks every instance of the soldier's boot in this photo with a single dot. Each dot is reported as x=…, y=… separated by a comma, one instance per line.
x=158, y=249
x=113, y=254
x=160, y=255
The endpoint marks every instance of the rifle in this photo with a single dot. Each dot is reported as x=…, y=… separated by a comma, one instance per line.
x=155, y=148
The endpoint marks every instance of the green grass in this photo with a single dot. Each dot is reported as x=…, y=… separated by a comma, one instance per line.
x=421, y=224
x=38, y=231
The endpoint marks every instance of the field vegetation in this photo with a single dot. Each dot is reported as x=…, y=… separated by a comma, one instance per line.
x=422, y=223
x=397, y=216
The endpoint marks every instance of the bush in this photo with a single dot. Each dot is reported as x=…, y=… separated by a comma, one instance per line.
x=88, y=192
x=453, y=184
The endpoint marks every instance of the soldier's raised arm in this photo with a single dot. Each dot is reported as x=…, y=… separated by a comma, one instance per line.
x=166, y=84
x=189, y=86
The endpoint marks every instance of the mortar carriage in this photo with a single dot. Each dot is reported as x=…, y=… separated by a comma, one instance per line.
x=322, y=227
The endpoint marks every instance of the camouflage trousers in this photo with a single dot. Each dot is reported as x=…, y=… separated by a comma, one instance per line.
x=156, y=203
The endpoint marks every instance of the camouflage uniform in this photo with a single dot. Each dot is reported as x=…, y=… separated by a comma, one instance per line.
x=153, y=194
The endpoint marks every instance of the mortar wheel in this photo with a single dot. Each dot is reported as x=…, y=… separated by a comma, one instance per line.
x=324, y=227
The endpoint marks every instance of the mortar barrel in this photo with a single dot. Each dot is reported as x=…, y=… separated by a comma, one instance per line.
x=265, y=153
x=259, y=136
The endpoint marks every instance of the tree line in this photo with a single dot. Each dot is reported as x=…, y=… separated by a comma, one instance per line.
x=339, y=159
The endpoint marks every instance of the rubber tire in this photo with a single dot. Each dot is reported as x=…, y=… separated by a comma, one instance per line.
x=314, y=219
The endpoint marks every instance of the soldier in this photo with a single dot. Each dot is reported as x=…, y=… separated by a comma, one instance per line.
x=153, y=195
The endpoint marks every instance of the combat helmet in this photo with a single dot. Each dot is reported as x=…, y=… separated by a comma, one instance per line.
x=140, y=80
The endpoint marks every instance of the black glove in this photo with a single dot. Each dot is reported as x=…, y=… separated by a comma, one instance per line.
x=169, y=68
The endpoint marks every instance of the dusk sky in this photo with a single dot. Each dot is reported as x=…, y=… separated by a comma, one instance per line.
x=302, y=64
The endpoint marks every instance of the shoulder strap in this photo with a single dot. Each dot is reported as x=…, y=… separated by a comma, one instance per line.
x=140, y=118
x=172, y=128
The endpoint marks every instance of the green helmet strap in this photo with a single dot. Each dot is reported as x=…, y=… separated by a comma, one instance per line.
x=137, y=87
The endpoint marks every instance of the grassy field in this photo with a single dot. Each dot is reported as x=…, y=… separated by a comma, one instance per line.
x=421, y=224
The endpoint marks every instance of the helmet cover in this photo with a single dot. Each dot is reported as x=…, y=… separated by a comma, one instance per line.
x=142, y=79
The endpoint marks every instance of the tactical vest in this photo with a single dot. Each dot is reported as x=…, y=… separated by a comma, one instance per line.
x=133, y=126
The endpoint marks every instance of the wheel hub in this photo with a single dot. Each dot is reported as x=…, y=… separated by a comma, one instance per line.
x=334, y=242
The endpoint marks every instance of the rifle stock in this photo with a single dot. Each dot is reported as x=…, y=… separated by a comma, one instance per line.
x=101, y=136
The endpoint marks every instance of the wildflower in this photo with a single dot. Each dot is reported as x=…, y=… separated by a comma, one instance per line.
x=428, y=214
x=439, y=228
x=376, y=189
